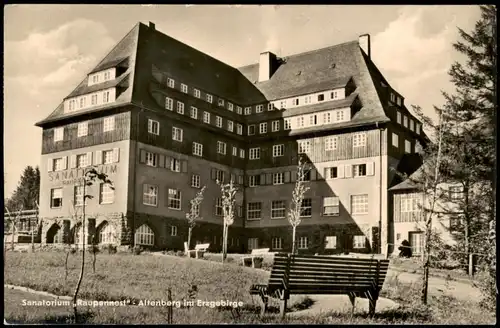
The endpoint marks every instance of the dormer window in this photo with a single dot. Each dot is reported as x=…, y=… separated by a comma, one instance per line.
x=393, y=97
x=270, y=106
x=82, y=102
x=221, y=102
x=259, y=108
x=95, y=79
x=283, y=104
x=93, y=99
x=333, y=95
x=170, y=83
x=321, y=97
x=248, y=110
x=295, y=102
x=72, y=104
x=107, y=76
x=307, y=100
x=184, y=88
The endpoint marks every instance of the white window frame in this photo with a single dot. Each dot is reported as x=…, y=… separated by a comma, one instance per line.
x=151, y=197
x=252, y=180
x=193, y=112
x=331, y=206
x=219, y=208
x=230, y=106
x=287, y=124
x=242, y=153
x=169, y=103
x=277, y=243
x=329, y=171
x=395, y=140
x=235, y=151
x=174, y=201
x=331, y=143
x=398, y=117
x=259, y=108
x=170, y=83
x=196, y=181
x=304, y=146
x=359, y=204
x=209, y=98
x=83, y=129
x=197, y=149
x=278, y=209
x=412, y=125
x=303, y=242
x=151, y=159
x=220, y=102
x=407, y=146
x=218, y=121
x=359, y=140
x=248, y=110
x=180, y=107
x=206, y=117
x=357, y=170
x=56, y=193
x=151, y=127
x=108, y=124
x=254, y=153
x=263, y=128
x=278, y=178
x=239, y=110
x=106, y=194
x=175, y=165
x=230, y=126
x=58, y=134
x=177, y=134
x=330, y=242
x=144, y=236
x=107, y=157
x=254, y=210
x=82, y=160
x=239, y=129
x=184, y=88
x=276, y=126
x=278, y=150
x=197, y=93
x=173, y=231
x=221, y=147
x=359, y=241
x=405, y=121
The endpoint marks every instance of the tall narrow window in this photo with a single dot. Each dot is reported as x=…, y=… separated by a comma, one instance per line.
x=174, y=199
x=109, y=124
x=83, y=129
x=153, y=127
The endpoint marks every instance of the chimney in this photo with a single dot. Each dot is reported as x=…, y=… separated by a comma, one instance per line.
x=267, y=65
x=152, y=25
x=364, y=43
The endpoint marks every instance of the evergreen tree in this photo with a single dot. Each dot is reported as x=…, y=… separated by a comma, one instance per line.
x=27, y=192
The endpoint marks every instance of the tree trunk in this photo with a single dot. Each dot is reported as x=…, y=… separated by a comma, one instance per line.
x=12, y=236
x=75, y=295
x=94, y=254
x=190, y=231
x=294, y=228
x=66, y=265
x=224, y=243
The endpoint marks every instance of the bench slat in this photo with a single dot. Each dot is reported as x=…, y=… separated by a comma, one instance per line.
x=332, y=266
x=337, y=262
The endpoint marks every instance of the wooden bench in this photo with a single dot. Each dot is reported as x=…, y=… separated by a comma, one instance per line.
x=198, y=250
x=257, y=252
x=308, y=274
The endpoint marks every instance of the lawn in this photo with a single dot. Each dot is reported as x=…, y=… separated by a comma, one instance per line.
x=124, y=276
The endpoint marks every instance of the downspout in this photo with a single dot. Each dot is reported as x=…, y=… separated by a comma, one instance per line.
x=380, y=191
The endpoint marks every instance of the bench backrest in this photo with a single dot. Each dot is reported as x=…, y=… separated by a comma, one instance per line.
x=258, y=251
x=201, y=246
x=323, y=274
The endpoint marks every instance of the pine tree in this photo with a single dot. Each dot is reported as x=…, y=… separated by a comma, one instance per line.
x=27, y=192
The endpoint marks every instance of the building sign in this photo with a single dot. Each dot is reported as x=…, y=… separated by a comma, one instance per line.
x=75, y=176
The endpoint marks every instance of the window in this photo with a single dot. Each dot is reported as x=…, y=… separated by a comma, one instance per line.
x=197, y=149
x=177, y=134
x=153, y=127
x=456, y=192
x=359, y=170
x=107, y=234
x=210, y=99
x=313, y=120
x=259, y=108
x=242, y=153
x=151, y=159
x=221, y=102
x=239, y=110
x=109, y=124
x=304, y=147
x=300, y=121
x=398, y=117
x=417, y=128
x=306, y=207
x=270, y=107
x=340, y=115
x=218, y=121
x=174, y=199
x=331, y=143
x=359, y=241
x=248, y=110
x=220, y=175
x=251, y=130
x=254, y=153
x=278, y=178
x=359, y=204
x=407, y=146
x=254, y=211
x=193, y=112
x=327, y=118
x=230, y=126
x=206, y=117
x=288, y=123
x=412, y=125
x=331, y=242
x=195, y=181
x=277, y=243
x=58, y=134
x=197, y=93
x=82, y=102
x=95, y=79
x=399, y=101
x=331, y=172
x=395, y=140
x=180, y=107
x=56, y=198
x=144, y=236
x=303, y=242
x=82, y=160
x=72, y=104
x=93, y=99
x=405, y=121
x=221, y=147
x=105, y=96
x=173, y=230
x=253, y=243
x=235, y=151
x=359, y=140
x=175, y=165
x=83, y=129
x=254, y=180
x=278, y=209
x=331, y=206
x=219, y=207
x=276, y=126
x=150, y=195
x=78, y=199
x=295, y=101
x=169, y=103
x=230, y=106
x=170, y=82
x=283, y=104
x=393, y=97
x=239, y=129
x=278, y=150
x=107, y=157
x=417, y=241
x=262, y=128
x=321, y=97
x=333, y=95
x=106, y=194
x=184, y=88
x=410, y=203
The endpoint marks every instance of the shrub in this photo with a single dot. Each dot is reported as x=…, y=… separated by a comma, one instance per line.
x=137, y=250
x=110, y=249
x=179, y=253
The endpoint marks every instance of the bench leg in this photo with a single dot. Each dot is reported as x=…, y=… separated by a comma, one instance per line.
x=352, y=298
x=372, y=299
x=263, y=308
x=283, y=304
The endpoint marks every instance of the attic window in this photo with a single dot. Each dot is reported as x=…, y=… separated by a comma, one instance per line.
x=321, y=97
x=221, y=102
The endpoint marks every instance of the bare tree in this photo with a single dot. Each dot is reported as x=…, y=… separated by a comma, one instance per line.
x=13, y=221
x=36, y=229
x=194, y=213
x=228, y=192
x=294, y=214
x=89, y=178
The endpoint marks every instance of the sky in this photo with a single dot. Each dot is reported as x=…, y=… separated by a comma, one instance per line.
x=49, y=49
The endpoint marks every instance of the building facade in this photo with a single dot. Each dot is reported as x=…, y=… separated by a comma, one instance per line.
x=162, y=120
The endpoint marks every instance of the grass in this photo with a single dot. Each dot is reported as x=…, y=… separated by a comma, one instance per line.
x=124, y=276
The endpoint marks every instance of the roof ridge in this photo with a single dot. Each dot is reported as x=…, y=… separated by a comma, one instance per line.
x=308, y=52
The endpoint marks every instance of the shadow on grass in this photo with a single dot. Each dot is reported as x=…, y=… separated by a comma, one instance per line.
x=83, y=318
